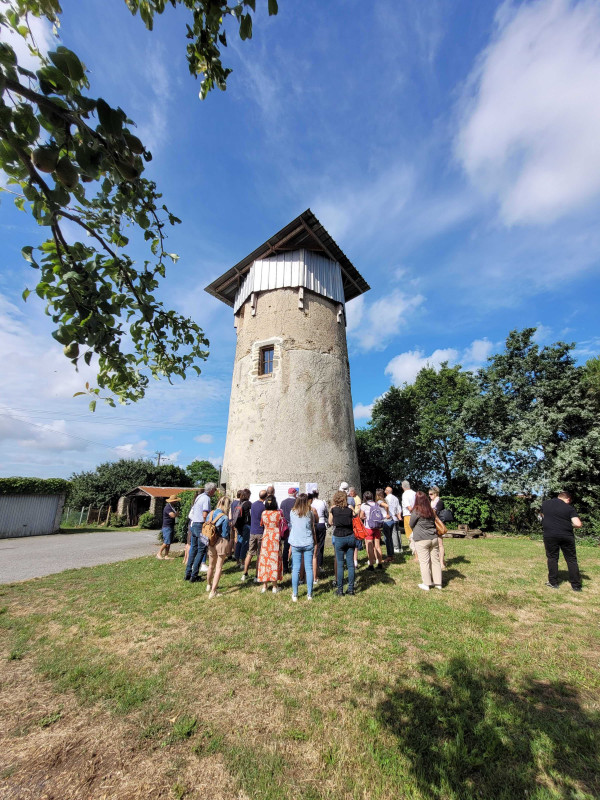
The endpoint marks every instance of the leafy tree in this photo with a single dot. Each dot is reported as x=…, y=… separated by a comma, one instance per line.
x=537, y=427
x=69, y=156
x=591, y=379
x=202, y=472
x=111, y=480
x=415, y=432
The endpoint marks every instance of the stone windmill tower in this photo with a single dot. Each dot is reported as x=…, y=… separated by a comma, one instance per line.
x=290, y=413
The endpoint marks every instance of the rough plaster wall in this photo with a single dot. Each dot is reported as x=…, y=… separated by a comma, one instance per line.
x=296, y=424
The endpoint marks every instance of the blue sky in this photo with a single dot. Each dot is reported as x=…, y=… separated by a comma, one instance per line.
x=451, y=149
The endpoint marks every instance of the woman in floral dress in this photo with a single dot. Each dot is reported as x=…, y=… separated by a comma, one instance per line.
x=270, y=563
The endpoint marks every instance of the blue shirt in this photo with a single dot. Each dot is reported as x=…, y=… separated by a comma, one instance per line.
x=301, y=530
x=256, y=528
x=221, y=524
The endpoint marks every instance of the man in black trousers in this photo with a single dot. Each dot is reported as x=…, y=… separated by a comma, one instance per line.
x=559, y=519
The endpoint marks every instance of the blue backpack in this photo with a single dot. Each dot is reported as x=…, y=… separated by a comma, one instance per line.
x=375, y=518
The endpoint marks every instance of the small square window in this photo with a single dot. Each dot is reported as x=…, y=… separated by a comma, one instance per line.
x=266, y=360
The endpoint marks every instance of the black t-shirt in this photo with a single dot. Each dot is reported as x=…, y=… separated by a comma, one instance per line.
x=557, y=517
x=244, y=517
x=168, y=522
x=342, y=519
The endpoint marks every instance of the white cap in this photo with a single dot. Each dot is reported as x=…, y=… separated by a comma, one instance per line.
x=343, y=486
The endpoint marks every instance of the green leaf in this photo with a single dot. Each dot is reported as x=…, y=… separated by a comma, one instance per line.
x=68, y=63
x=26, y=252
x=26, y=293
x=77, y=394
x=273, y=8
x=93, y=405
x=246, y=27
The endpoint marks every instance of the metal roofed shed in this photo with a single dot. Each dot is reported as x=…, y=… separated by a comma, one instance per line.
x=148, y=498
x=303, y=234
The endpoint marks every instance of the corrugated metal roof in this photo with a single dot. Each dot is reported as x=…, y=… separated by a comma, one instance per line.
x=305, y=232
x=313, y=271
x=164, y=491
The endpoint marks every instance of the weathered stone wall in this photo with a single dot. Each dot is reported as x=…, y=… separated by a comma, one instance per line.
x=297, y=423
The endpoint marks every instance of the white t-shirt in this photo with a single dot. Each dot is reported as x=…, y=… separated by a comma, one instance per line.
x=201, y=504
x=393, y=505
x=408, y=499
x=320, y=507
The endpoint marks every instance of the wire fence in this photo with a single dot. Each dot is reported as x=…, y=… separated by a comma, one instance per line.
x=81, y=517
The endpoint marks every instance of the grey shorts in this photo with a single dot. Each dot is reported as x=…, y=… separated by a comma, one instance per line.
x=254, y=546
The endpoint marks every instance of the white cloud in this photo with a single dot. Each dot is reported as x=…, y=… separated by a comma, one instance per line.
x=137, y=449
x=405, y=367
x=477, y=353
x=43, y=39
x=542, y=333
x=372, y=325
x=204, y=438
x=531, y=120
x=362, y=411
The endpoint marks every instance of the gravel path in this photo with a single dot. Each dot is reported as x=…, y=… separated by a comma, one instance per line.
x=36, y=556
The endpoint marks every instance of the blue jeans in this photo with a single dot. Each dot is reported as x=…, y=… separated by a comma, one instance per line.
x=241, y=546
x=345, y=546
x=388, y=532
x=299, y=553
x=198, y=548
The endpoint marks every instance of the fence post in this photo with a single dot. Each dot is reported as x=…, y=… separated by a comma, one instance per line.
x=81, y=515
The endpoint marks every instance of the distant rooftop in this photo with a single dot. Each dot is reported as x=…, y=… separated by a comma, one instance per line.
x=304, y=232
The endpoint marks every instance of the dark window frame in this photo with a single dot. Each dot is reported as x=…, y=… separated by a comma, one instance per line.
x=265, y=363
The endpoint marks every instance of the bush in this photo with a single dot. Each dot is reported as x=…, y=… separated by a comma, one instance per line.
x=148, y=521
x=33, y=486
x=490, y=512
x=118, y=520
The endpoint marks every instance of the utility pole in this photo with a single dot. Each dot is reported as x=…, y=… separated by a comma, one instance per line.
x=158, y=454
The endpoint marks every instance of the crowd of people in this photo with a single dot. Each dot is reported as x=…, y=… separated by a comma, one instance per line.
x=290, y=538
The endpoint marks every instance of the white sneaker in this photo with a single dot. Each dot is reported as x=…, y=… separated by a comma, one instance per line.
x=438, y=586
x=424, y=587
x=212, y=595
x=203, y=568
x=294, y=598
x=276, y=589
x=264, y=588
x=309, y=596
x=244, y=577
x=208, y=587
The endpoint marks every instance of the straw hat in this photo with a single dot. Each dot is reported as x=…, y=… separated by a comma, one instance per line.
x=173, y=499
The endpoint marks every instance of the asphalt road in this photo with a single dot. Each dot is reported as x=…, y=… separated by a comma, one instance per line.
x=35, y=556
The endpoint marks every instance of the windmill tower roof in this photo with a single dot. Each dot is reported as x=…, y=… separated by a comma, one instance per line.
x=304, y=232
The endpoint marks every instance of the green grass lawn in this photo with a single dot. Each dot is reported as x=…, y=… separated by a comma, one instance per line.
x=123, y=681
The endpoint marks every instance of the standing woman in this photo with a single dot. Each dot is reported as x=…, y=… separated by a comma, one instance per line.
x=303, y=540
x=219, y=552
x=343, y=541
x=270, y=563
x=426, y=542
x=388, y=523
x=373, y=535
x=438, y=505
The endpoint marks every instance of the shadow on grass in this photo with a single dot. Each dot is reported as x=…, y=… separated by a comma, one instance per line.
x=458, y=560
x=468, y=734
x=563, y=576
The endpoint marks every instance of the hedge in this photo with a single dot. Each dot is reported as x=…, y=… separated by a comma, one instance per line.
x=33, y=486
x=494, y=513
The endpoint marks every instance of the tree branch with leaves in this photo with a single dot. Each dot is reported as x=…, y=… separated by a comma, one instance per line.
x=72, y=157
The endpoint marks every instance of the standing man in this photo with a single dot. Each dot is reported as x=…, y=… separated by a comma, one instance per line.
x=408, y=501
x=170, y=513
x=395, y=513
x=559, y=519
x=354, y=501
x=286, y=507
x=271, y=493
x=198, y=543
x=256, y=533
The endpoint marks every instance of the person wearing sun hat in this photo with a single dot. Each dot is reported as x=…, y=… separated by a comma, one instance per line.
x=170, y=514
